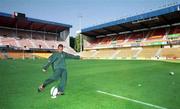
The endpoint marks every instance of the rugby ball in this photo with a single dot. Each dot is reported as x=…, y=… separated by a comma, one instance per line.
x=53, y=92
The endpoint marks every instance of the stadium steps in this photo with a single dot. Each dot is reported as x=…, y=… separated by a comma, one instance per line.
x=158, y=52
x=148, y=34
x=134, y=52
x=51, y=43
x=38, y=43
x=115, y=54
x=126, y=53
x=8, y=41
x=88, y=54
x=45, y=43
x=94, y=55
x=167, y=32
x=17, y=43
x=33, y=44
x=25, y=42
x=126, y=40
x=105, y=54
x=137, y=53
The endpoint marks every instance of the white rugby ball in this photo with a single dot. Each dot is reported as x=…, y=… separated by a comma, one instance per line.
x=54, y=91
x=171, y=73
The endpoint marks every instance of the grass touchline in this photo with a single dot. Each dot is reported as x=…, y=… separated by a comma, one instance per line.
x=129, y=99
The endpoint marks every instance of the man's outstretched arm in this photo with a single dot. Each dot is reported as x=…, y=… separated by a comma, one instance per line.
x=71, y=56
x=51, y=59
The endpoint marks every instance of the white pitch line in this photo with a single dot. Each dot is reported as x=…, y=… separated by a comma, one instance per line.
x=133, y=100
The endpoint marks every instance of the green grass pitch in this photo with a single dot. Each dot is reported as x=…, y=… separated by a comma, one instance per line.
x=19, y=80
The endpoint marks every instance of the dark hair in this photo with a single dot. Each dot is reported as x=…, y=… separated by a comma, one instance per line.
x=60, y=45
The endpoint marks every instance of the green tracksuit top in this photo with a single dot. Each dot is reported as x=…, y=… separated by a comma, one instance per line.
x=57, y=60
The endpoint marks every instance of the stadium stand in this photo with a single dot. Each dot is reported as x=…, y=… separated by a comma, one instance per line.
x=152, y=35
x=29, y=37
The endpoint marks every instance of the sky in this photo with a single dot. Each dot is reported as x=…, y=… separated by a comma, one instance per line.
x=88, y=12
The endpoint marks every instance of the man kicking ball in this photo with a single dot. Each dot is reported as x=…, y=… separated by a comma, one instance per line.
x=57, y=60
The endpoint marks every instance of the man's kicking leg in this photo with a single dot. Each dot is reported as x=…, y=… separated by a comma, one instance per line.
x=48, y=81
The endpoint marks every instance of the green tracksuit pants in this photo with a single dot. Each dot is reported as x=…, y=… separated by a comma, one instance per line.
x=59, y=74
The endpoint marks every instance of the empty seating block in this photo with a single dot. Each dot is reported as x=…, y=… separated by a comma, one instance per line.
x=120, y=39
x=87, y=54
x=52, y=44
x=106, y=53
x=106, y=40
x=126, y=53
x=157, y=34
x=25, y=43
x=8, y=41
x=170, y=52
x=137, y=37
x=175, y=30
x=95, y=42
x=40, y=43
x=148, y=52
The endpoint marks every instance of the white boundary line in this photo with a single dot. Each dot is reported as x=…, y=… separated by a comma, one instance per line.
x=129, y=99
